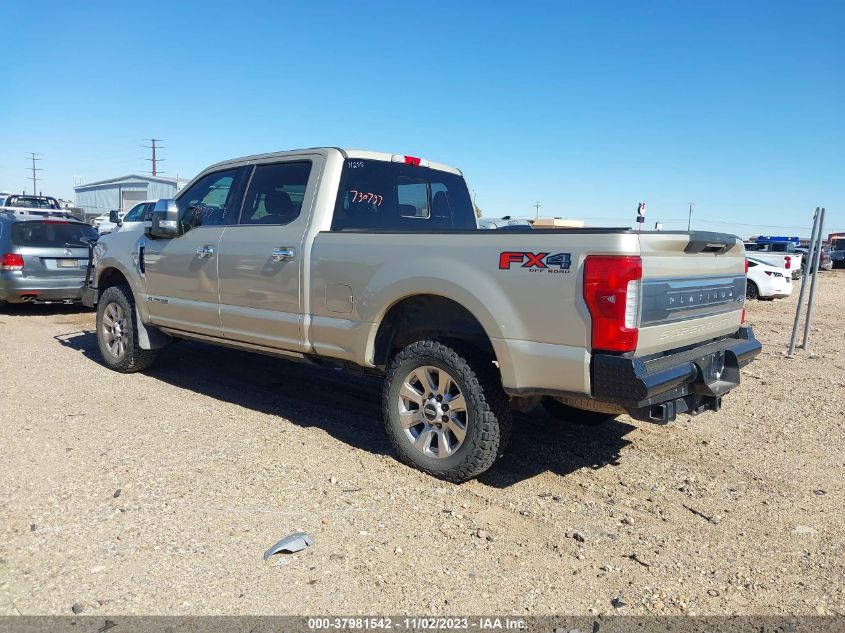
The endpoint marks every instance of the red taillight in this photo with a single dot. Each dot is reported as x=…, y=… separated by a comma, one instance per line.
x=611, y=290
x=11, y=261
x=742, y=318
x=746, y=266
x=788, y=261
x=413, y=160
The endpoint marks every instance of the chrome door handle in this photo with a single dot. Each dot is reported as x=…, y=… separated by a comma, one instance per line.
x=205, y=251
x=281, y=254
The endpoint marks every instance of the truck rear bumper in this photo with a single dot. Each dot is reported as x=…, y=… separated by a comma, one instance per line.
x=689, y=380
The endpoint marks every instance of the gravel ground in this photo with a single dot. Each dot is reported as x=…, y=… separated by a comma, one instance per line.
x=158, y=493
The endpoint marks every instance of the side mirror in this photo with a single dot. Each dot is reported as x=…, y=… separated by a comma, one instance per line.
x=164, y=220
x=114, y=217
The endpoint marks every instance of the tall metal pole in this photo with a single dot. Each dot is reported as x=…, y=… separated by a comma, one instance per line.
x=34, y=177
x=817, y=260
x=804, y=277
x=689, y=219
x=537, y=206
x=155, y=160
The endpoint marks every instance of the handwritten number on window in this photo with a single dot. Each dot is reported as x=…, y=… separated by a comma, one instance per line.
x=368, y=196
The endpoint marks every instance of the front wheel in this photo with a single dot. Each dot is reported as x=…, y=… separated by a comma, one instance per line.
x=117, y=332
x=445, y=410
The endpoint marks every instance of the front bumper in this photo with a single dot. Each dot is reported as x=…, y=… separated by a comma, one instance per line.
x=690, y=380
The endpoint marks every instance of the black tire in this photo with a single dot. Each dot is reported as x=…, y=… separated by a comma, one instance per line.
x=488, y=416
x=573, y=415
x=751, y=291
x=129, y=357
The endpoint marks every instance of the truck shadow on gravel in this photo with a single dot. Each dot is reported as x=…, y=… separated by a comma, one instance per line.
x=348, y=407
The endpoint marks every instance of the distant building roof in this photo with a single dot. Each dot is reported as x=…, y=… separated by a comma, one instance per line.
x=130, y=178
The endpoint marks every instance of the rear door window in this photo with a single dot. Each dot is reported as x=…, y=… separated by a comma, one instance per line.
x=275, y=193
x=52, y=233
x=378, y=195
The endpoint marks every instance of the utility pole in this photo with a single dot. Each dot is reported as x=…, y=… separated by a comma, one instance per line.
x=537, y=206
x=155, y=160
x=689, y=219
x=34, y=158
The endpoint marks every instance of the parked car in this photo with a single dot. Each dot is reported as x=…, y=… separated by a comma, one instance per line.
x=347, y=257
x=106, y=218
x=43, y=256
x=837, y=252
x=506, y=222
x=790, y=260
x=766, y=281
x=24, y=201
x=132, y=220
x=826, y=261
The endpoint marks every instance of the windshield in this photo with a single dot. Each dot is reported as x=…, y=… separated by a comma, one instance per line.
x=837, y=244
x=52, y=233
x=377, y=195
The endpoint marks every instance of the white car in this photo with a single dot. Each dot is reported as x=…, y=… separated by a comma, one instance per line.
x=766, y=281
x=129, y=221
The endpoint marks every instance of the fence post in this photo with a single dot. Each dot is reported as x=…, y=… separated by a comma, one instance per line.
x=811, y=300
x=804, y=278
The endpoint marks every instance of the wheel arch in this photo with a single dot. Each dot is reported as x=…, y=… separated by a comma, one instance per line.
x=111, y=276
x=424, y=315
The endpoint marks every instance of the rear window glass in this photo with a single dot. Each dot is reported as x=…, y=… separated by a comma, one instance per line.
x=377, y=195
x=51, y=233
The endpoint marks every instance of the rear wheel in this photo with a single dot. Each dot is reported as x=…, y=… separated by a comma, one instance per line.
x=566, y=413
x=117, y=332
x=445, y=410
x=751, y=290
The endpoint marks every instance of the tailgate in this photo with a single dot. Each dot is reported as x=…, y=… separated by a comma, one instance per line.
x=50, y=262
x=52, y=248
x=693, y=289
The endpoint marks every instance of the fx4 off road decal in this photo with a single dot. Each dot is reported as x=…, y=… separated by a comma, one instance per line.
x=536, y=262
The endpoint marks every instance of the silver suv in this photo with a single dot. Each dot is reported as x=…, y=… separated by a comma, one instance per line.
x=43, y=256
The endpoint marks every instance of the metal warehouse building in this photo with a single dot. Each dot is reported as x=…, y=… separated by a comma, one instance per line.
x=123, y=193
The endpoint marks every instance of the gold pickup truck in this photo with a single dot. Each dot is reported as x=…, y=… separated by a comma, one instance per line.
x=373, y=260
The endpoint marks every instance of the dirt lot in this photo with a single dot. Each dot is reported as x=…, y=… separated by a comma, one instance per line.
x=158, y=493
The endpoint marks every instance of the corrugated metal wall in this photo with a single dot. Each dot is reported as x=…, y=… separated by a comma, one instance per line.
x=103, y=198
x=159, y=190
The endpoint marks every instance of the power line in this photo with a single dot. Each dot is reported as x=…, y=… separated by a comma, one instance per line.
x=155, y=160
x=34, y=169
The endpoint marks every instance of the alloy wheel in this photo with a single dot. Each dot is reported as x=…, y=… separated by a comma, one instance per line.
x=115, y=326
x=433, y=411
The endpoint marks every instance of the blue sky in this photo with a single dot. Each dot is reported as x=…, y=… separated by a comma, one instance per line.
x=588, y=108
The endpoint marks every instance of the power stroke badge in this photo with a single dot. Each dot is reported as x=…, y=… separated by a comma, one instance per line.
x=536, y=262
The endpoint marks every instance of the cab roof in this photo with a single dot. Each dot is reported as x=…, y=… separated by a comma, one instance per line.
x=346, y=153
